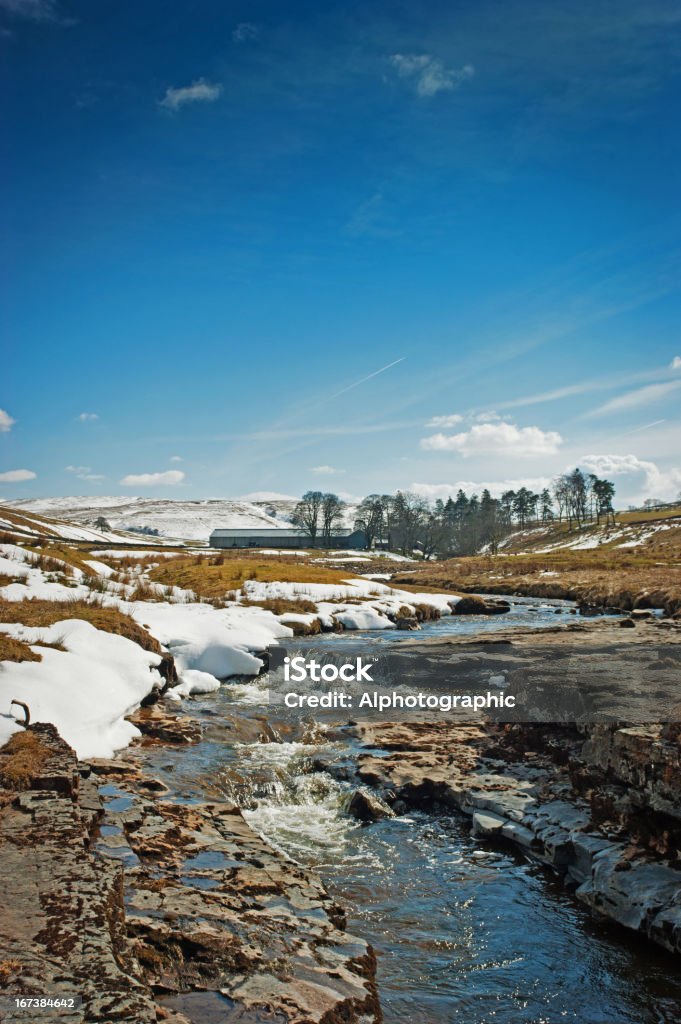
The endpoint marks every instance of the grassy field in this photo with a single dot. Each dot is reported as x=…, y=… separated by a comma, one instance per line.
x=213, y=576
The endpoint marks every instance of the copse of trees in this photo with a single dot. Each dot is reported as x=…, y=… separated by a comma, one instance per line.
x=461, y=525
x=464, y=525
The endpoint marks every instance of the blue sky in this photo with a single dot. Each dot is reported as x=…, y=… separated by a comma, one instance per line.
x=223, y=219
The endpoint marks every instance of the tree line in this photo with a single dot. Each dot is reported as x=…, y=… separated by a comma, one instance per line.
x=461, y=525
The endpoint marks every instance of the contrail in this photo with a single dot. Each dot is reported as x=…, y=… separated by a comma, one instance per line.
x=363, y=380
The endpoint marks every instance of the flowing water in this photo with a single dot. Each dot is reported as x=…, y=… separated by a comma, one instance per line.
x=463, y=933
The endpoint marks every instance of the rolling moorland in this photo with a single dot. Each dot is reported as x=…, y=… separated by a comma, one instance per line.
x=110, y=637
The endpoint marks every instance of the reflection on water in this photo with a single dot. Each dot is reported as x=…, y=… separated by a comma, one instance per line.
x=463, y=934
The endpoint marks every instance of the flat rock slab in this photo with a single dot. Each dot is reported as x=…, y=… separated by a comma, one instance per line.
x=148, y=911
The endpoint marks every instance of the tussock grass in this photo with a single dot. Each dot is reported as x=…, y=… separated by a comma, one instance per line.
x=12, y=649
x=49, y=551
x=282, y=605
x=45, y=613
x=10, y=538
x=303, y=628
x=145, y=592
x=21, y=759
x=6, y=580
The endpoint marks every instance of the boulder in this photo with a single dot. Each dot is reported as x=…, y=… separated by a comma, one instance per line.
x=367, y=806
x=407, y=623
x=474, y=605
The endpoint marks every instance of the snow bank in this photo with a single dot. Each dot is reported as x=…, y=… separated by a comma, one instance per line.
x=14, y=561
x=85, y=691
x=193, y=681
x=361, y=617
x=218, y=641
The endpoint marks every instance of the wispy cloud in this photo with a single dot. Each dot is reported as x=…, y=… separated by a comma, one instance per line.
x=326, y=470
x=637, y=399
x=369, y=376
x=6, y=422
x=33, y=10
x=371, y=219
x=445, y=421
x=176, y=458
x=429, y=74
x=200, y=91
x=245, y=32
x=675, y=363
x=170, y=478
x=87, y=417
x=16, y=476
x=84, y=473
x=496, y=439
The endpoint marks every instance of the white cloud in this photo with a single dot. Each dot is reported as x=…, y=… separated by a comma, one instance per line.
x=429, y=74
x=170, y=478
x=638, y=398
x=86, y=417
x=444, y=421
x=34, y=10
x=200, y=91
x=495, y=487
x=245, y=32
x=15, y=476
x=675, y=363
x=266, y=496
x=84, y=473
x=487, y=417
x=496, y=439
x=176, y=458
x=6, y=422
x=326, y=470
x=646, y=479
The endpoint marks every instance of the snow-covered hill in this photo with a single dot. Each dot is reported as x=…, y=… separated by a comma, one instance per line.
x=183, y=520
x=180, y=520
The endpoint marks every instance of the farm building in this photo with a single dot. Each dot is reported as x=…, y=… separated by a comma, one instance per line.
x=252, y=538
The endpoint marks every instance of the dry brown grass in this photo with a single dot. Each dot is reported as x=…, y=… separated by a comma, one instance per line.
x=145, y=592
x=21, y=759
x=620, y=577
x=9, y=969
x=427, y=612
x=303, y=628
x=12, y=649
x=282, y=605
x=6, y=580
x=56, y=556
x=212, y=576
x=46, y=613
x=10, y=538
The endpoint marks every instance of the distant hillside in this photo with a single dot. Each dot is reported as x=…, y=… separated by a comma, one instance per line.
x=179, y=520
x=656, y=530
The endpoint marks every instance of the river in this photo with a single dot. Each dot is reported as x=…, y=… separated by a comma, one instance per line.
x=463, y=933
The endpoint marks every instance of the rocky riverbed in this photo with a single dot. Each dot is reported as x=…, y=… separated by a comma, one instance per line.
x=148, y=910
x=594, y=798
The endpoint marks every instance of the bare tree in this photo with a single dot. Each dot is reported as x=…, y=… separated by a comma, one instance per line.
x=331, y=514
x=307, y=513
x=370, y=519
